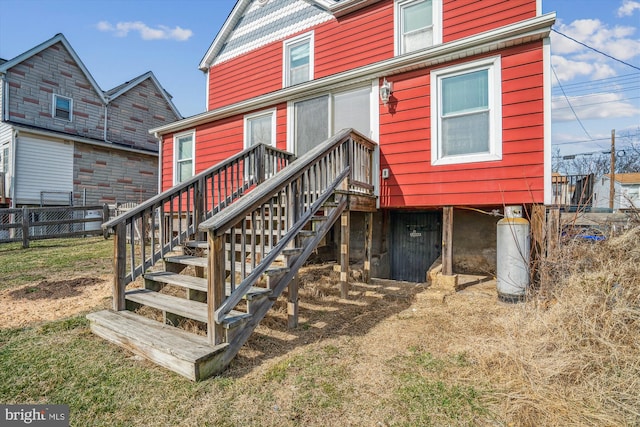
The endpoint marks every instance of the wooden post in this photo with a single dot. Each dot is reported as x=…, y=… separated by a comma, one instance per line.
x=368, y=243
x=344, y=254
x=199, y=208
x=215, y=287
x=447, y=240
x=292, y=305
x=553, y=229
x=612, y=181
x=105, y=218
x=119, y=266
x=25, y=227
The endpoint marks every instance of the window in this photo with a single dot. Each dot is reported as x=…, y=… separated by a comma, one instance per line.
x=260, y=128
x=298, y=60
x=315, y=119
x=62, y=107
x=4, y=158
x=417, y=24
x=466, y=113
x=184, y=149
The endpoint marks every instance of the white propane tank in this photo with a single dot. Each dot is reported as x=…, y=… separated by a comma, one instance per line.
x=513, y=248
x=94, y=225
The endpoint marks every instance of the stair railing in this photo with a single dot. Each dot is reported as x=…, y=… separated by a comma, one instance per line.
x=143, y=235
x=257, y=229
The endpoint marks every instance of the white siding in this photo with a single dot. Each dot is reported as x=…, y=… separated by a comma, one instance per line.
x=43, y=165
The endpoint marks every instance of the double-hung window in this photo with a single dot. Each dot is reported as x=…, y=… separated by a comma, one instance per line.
x=62, y=107
x=184, y=161
x=260, y=128
x=466, y=113
x=298, y=60
x=417, y=24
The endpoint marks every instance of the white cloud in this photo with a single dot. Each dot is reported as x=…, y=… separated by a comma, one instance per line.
x=567, y=69
x=628, y=7
x=593, y=106
x=616, y=41
x=162, y=32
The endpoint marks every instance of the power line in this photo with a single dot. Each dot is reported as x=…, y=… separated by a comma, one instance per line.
x=596, y=50
x=599, y=102
x=569, y=102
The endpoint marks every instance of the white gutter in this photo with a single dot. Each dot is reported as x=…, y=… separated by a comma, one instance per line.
x=511, y=35
x=106, y=110
x=159, y=162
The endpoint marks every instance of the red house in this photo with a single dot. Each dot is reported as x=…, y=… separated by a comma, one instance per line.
x=453, y=95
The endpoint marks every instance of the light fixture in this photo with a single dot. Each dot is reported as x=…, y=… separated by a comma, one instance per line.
x=385, y=91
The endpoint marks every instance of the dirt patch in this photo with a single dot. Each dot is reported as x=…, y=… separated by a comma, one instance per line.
x=52, y=299
x=55, y=289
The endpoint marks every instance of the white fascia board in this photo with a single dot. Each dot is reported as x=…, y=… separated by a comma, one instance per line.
x=26, y=130
x=225, y=31
x=532, y=29
x=546, y=87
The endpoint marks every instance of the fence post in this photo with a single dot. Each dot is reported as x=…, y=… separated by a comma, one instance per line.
x=105, y=218
x=25, y=227
x=200, y=206
x=215, y=286
x=259, y=155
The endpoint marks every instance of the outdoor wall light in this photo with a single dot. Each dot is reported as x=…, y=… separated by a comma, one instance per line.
x=385, y=91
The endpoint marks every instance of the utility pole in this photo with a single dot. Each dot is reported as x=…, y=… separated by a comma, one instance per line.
x=612, y=187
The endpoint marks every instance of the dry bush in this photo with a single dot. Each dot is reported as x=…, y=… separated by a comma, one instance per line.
x=574, y=360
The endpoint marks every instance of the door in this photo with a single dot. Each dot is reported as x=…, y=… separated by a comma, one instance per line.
x=416, y=239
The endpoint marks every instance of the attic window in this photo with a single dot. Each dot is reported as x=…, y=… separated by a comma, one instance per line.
x=62, y=107
x=298, y=60
x=417, y=24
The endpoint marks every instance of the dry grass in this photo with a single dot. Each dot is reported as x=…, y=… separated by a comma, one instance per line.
x=573, y=359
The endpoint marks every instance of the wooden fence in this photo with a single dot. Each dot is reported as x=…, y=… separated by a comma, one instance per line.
x=26, y=224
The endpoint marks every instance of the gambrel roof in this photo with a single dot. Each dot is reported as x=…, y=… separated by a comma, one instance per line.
x=255, y=23
x=58, y=38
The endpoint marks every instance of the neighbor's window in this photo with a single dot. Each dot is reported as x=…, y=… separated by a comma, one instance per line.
x=184, y=149
x=417, y=25
x=466, y=113
x=298, y=60
x=62, y=107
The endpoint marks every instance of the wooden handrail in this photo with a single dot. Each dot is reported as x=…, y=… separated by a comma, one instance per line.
x=147, y=232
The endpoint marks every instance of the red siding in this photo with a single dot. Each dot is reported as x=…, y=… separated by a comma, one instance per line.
x=405, y=142
x=355, y=40
x=218, y=141
x=462, y=18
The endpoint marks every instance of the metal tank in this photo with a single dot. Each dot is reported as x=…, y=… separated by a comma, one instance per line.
x=513, y=248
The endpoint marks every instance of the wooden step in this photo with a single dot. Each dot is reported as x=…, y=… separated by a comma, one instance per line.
x=202, y=262
x=187, y=354
x=180, y=306
x=197, y=283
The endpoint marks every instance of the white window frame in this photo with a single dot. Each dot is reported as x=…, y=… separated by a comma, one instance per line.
x=54, y=107
x=286, y=46
x=436, y=24
x=249, y=117
x=176, y=160
x=493, y=65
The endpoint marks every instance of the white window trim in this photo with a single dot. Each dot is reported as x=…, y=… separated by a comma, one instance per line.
x=285, y=62
x=53, y=110
x=191, y=132
x=437, y=23
x=248, y=117
x=493, y=64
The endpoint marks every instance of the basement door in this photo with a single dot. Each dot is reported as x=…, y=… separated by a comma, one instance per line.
x=416, y=242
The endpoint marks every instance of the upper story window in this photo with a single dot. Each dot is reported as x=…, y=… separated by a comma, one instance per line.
x=418, y=24
x=62, y=107
x=466, y=113
x=298, y=60
x=183, y=155
x=260, y=128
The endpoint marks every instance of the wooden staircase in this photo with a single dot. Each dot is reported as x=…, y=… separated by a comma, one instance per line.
x=224, y=285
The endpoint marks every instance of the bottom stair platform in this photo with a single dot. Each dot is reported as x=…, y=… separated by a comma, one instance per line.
x=185, y=353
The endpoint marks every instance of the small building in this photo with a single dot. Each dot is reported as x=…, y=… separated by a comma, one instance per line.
x=65, y=141
x=626, y=191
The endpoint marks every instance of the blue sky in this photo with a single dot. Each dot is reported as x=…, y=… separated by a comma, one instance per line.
x=119, y=40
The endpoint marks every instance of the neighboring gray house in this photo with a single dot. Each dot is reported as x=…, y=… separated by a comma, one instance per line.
x=626, y=191
x=64, y=140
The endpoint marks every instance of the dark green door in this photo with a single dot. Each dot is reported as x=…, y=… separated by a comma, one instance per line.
x=416, y=239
